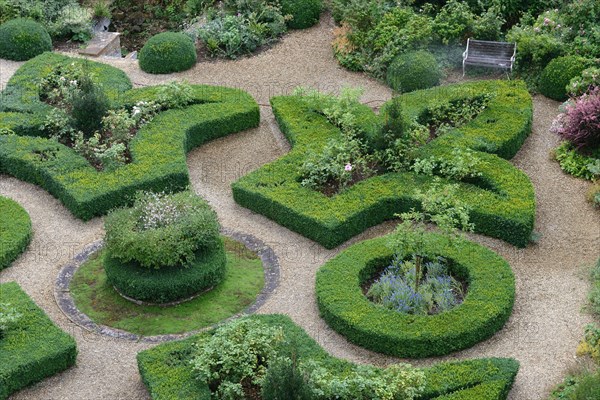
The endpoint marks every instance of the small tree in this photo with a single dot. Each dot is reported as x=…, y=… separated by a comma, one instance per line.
x=439, y=206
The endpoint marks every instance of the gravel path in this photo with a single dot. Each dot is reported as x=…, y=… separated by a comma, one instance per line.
x=542, y=333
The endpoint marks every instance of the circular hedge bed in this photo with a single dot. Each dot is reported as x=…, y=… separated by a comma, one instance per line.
x=167, y=284
x=485, y=309
x=168, y=52
x=22, y=39
x=15, y=231
x=95, y=296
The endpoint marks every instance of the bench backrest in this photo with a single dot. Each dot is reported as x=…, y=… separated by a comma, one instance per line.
x=495, y=50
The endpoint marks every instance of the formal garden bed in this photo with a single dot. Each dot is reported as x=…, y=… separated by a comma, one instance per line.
x=501, y=196
x=455, y=155
x=31, y=346
x=296, y=361
x=15, y=231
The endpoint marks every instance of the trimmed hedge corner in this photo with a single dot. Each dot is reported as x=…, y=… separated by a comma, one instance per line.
x=166, y=370
x=158, y=151
x=558, y=74
x=15, y=231
x=35, y=348
x=167, y=284
x=168, y=52
x=485, y=309
x=413, y=71
x=504, y=207
x=22, y=39
x=305, y=13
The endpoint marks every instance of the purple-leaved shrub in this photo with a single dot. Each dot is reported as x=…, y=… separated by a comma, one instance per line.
x=579, y=124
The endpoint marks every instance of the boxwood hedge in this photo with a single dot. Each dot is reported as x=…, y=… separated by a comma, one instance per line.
x=167, y=284
x=15, y=231
x=485, y=309
x=35, y=348
x=504, y=207
x=158, y=151
x=167, y=374
x=22, y=39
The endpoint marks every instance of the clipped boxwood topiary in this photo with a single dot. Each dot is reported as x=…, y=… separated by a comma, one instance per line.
x=558, y=74
x=168, y=52
x=164, y=248
x=22, y=39
x=305, y=13
x=15, y=231
x=167, y=284
x=486, y=307
x=413, y=71
x=32, y=348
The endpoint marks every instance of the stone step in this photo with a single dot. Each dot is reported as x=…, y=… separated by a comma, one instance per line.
x=103, y=44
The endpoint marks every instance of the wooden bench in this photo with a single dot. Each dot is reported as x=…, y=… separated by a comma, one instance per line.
x=484, y=53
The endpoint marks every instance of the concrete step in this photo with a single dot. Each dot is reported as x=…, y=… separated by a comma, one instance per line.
x=103, y=44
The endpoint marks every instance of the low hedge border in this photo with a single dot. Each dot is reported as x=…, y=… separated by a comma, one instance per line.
x=158, y=151
x=485, y=309
x=167, y=284
x=506, y=212
x=15, y=231
x=166, y=371
x=35, y=348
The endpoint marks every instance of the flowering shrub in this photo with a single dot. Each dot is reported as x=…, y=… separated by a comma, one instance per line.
x=78, y=103
x=162, y=230
x=462, y=164
x=580, y=123
x=237, y=353
x=237, y=358
x=400, y=289
x=241, y=27
x=588, y=80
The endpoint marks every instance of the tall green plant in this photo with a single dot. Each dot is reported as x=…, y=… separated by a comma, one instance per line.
x=440, y=206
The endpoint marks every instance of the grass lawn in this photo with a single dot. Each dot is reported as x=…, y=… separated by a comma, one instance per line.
x=99, y=300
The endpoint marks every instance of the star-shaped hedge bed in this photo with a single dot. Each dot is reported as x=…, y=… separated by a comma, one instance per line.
x=503, y=203
x=158, y=151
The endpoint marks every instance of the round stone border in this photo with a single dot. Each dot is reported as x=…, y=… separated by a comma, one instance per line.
x=65, y=302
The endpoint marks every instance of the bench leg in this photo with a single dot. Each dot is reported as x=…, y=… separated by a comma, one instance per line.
x=463, y=68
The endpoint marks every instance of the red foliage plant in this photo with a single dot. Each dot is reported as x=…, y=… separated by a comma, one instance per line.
x=580, y=122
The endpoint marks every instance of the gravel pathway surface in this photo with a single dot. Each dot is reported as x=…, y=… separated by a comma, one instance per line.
x=551, y=287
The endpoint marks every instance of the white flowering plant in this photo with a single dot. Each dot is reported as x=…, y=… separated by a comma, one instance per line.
x=162, y=230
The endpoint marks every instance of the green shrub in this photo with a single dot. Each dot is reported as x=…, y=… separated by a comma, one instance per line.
x=167, y=284
x=167, y=52
x=22, y=39
x=412, y=71
x=15, y=231
x=304, y=13
x=558, y=74
x=158, y=150
x=90, y=104
x=502, y=204
x=162, y=231
x=284, y=381
x=33, y=348
x=486, y=307
x=166, y=369
x=575, y=163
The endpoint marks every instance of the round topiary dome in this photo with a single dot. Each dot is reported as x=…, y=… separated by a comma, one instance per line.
x=305, y=13
x=558, y=74
x=168, y=52
x=22, y=39
x=413, y=71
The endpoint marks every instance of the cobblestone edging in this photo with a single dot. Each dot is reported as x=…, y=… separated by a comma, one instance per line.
x=66, y=304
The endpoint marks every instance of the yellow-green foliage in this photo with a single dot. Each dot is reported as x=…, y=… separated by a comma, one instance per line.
x=15, y=231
